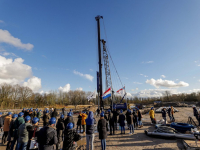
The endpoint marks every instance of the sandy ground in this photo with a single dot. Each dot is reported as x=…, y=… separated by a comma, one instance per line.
x=139, y=141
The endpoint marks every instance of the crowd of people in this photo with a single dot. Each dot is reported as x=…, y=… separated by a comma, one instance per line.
x=23, y=132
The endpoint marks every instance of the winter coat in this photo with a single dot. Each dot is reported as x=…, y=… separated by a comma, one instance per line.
x=152, y=114
x=17, y=123
x=1, y=122
x=110, y=118
x=70, y=135
x=134, y=116
x=79, y=120
x=115, y=114
x=68, y=120
x=23, y=132
x=139, y=116
x=102, y=128
x=54, y=113
x=46, y=118
x=39, y=114
x=60, y=126
x=11, y=130
x=127, y=114
x=7, y=121
x=169, y=111
x=121, y=120
x=130, y=119
x=163, y=113
x=172, y=111
x=26, y=114
x=90, y=123
x=84, y=116
x=31, y=134
x=34, y=114
x=46, y=138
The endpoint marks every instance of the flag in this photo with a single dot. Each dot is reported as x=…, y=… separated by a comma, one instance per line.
x=107, y=93
x=120, y=90
x=93, y=95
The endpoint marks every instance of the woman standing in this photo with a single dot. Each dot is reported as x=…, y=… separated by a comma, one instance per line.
x=102, y=129
x=139, y=118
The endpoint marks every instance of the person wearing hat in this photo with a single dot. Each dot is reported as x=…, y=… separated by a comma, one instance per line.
x=196, y=114
x=46, y=118
x=83, y=123
x=135, y=119
x=139, y=118
x=70, y=136
x=60, y=126
x=152, y=115
x=102, y=129
x=39, y=114
x=121, y=121
x=78, y=124
x=90, y=131
x=69, y=119
x=26, y=113
x=130, y=122
x=164, y=115
x=111, y=122
x=1, y=121
x=11, y=131
x=7, y=121
x=115, y=114
x=47, y=136
x=33, y=131
x=17, y=123
x=23, y=134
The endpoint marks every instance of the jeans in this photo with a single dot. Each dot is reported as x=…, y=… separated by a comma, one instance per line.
x=21, y=146
x=13, y=143
x=122, y=129
x=139, y=123
x=165, y=120
x=103, y=144
x=90, y=141
x=131, y=128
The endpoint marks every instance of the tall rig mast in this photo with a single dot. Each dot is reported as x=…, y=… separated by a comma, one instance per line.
x=100, y=64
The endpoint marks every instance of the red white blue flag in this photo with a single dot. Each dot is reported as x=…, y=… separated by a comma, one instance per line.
x=120, y=90
x=107, y=93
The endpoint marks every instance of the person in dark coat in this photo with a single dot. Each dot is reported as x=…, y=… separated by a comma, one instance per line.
x=70, y=136
x=33, y=132
x=135, y=119
x=46, y=118
x=26, y=113
x=69, y=119
x=130, y=122
x=17, y=123
x=47, y=136
x=111, y=122
x=164, y=115
x=169, y=113
x=127, y=114
x=79, y=122
x=11, y=131
x=31, y=114
x=90, y=131
x=115, y=114
x=139, y=118
x=60, y=126
x=1, y=121
x=54, y=113
x=196, y=114
x=121, y=121
x=102, y=129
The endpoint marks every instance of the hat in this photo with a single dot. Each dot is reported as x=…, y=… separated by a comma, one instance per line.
x=70, y=125
x=52, y=121
x=27, y=118
x=102, y=114
x=35, y=120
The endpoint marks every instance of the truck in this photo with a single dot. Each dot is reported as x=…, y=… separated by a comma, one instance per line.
x=119, y=106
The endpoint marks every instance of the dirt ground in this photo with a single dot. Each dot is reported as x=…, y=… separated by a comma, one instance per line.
x=139, y=141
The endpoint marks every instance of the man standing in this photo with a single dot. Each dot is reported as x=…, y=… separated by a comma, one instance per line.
x=47, y=136
x=164, y=115
x=115, y=114
x=7, y=121
x=46, y=118
x=23, y=134
x=111, y=122
x=60, y=126
x=152, y=115
x=196, y=114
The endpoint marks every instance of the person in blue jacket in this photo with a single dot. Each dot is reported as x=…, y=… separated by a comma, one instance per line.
x=90, y=131
x=121, y=121
x=164, y=115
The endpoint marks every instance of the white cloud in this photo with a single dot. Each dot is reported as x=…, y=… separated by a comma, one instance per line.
x=137, y=83
x=136, y=89
x=79, y=89
x=194, y=91
x=33, y=83
x=6, y=37
x=8, y=54
x=177, y=79
x=144, y=75
x=66, y=88
x=166, y=83
x=128, y=95
x=132, y=89
x=163, y=76
x=154, y=92
x=1, y=21
x=91, y=70
x=147, y=62
x=87, y=76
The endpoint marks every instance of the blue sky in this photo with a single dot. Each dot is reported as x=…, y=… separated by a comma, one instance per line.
x=146, y=39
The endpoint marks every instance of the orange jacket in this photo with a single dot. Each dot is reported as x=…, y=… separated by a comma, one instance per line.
x=7, y=121
x=84, y=116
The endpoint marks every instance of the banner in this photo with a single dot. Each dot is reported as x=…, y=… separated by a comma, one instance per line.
x=93, y=95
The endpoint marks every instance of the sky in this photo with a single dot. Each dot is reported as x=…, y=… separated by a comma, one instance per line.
x=52, y=45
